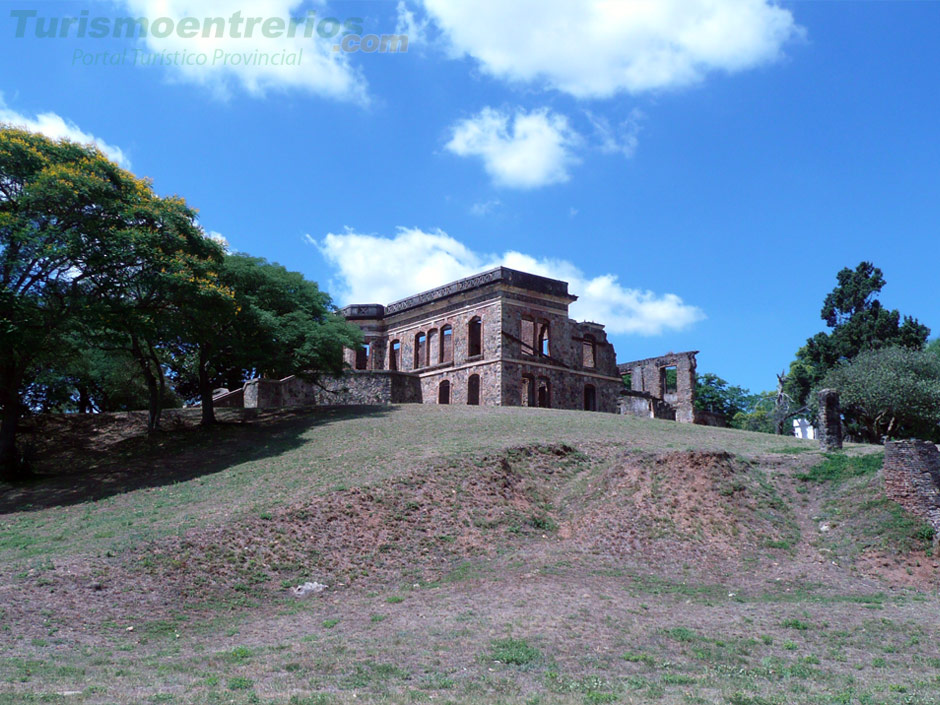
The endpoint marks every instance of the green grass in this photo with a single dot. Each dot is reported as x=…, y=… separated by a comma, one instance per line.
x=838, y=467
x=513, y=652
x=250, y=470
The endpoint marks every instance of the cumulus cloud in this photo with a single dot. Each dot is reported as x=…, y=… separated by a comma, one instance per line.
x=598, y=48
x=522, y=150
x=320, y=70
x=57, y=127
x=376, y=269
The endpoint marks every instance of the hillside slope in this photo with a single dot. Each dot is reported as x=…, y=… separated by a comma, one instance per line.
x=481, y=554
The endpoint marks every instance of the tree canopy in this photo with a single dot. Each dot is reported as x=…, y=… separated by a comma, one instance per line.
x=891, y=392
x=100, y=276
x=857, y=322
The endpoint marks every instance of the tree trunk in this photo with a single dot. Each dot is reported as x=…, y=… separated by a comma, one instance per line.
x=10, y=467
x=205, y=390
x=84, y=402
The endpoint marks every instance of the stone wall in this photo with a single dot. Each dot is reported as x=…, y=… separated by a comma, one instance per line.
x=566, y=388
x=829, y=420
x=646, y=376
x=912, y=478
x=354, y=387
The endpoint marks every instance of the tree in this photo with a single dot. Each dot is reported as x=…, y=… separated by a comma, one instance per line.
x=714, y=394
x=277, y=323
x=857, y=322
x=60, y=205
x=890, y=392
x=84, y=245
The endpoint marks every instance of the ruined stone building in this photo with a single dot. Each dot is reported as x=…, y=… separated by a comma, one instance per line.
x=500, y=338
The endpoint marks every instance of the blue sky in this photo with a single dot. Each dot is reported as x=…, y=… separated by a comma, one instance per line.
x=699, y=171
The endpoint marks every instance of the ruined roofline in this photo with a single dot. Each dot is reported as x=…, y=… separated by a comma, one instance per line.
x=624, y=367
x=504, y=275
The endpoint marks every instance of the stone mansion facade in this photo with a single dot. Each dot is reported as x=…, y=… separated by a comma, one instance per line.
x=500, y=338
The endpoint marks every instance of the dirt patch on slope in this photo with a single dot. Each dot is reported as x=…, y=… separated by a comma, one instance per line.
x=413, y=527
x=681, y=506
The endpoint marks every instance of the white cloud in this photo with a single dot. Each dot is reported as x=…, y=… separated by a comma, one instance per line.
x=522, y=150
x=598, y=48
x=408, y=24
x=320, y=70
x=376, y=269
x=218, y=237
x=620, y=139
x=57, y=127
x=485, y=207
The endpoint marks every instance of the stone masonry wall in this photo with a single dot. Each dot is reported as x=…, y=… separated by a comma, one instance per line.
x=351, y=388
x=829, y=420
x=647, y=375
x=912, y=478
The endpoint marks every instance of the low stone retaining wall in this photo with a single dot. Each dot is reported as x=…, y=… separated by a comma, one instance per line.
x=912, y=478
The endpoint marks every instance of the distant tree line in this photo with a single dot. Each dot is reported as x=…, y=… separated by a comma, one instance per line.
x=887, y=374
x=113, y=298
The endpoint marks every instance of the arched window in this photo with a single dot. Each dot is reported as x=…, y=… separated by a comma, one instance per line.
x=473, y=390
x=475, y=337
x=527, y=335
x=541, y=344
x=590, y=398
x=394, y=355
x=447, y=344
x=432, y=358
x=362, y=357
x=443, y=392
x=589, y=352
x=420, y=350
x=544, y=393
x=528, y=390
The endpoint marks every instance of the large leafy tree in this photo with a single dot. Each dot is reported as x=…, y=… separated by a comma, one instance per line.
x=83, y=245
x=857, y=322
x=276, y=323
x=890, y=392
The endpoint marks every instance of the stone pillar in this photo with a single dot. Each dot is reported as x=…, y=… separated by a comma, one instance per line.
x=830, y=420
x=912, y=478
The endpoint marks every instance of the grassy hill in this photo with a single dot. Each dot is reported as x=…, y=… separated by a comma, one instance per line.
x=470, y=555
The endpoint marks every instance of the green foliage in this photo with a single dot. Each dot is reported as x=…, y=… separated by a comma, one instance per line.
x=893, y=392
x=515, y=652
x=714, y=394
x=857, y=322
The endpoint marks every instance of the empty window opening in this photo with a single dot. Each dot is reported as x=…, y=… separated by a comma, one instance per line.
x=443, y=392
x=394, y=355
x=362, y=357
x=420, y=350
x=628, y=380
x=544, y=393
x=527, y=335
x=473, y=390
x=670, y=379
x=475, y=337
x=590, y=398
x=542, y=343
x=432, y=348
x=528, y=390
x=447, y=344
x=589, y=352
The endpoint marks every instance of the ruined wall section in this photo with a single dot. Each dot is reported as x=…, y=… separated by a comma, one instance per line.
x=912, y=478
x=354, y=387
x=647, y=377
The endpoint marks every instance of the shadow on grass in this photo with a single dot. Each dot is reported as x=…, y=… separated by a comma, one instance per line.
x=85, y=458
